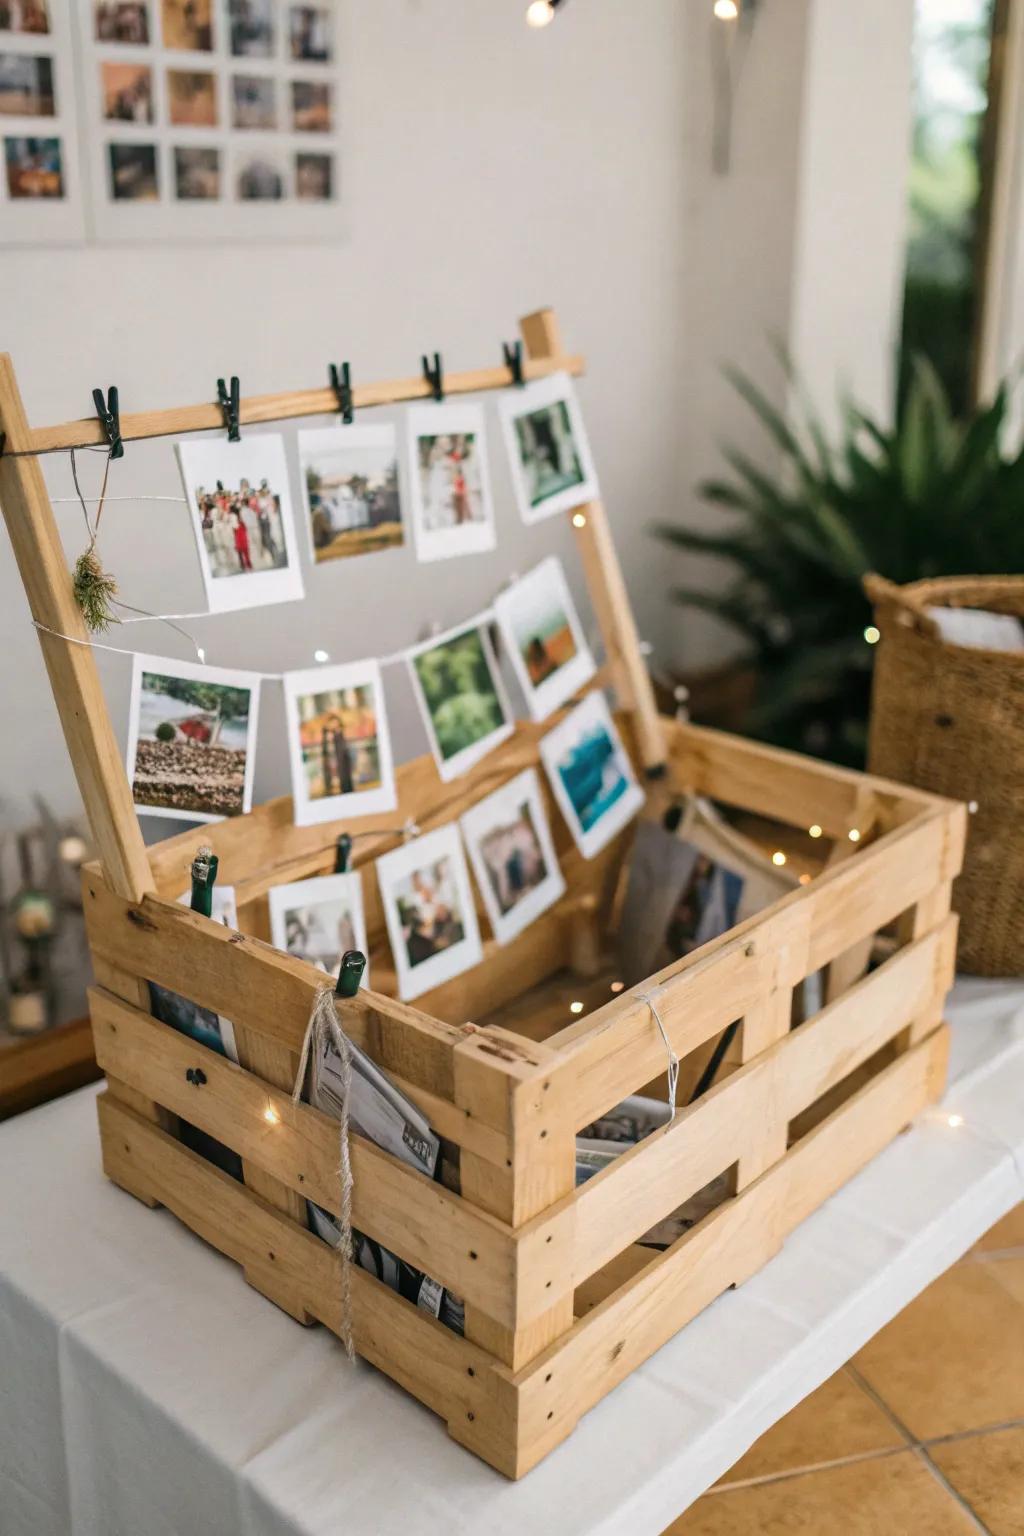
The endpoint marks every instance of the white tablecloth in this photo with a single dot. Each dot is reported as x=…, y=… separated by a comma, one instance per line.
x=145, y=1390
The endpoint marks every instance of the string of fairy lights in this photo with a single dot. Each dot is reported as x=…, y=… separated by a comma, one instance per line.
x=540, y=13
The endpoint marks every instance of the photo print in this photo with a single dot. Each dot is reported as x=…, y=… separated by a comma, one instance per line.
x=544, y=639
x=590, y=774
x=133, y=173
x=196, y=173
x=192, y=98
x=339, y=746
x=26, y=85
x=188, y=25
x=122, y=21
x=428, y=906
x=319, y=919
x=259, y=178
x=242, y=516
x=127, y=92
x=251, y=28
x=309, y=33
x=254, y=101
x=34, y=168
x=191, y=739
x=549, y=456
x=461, y=697
x=351, y=490
x=449, y=481
x=512, y=855
x=30, y=17
x=311, y=106
x=314, y=177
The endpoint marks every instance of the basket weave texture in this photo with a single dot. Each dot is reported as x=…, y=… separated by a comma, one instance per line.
x=950, y=719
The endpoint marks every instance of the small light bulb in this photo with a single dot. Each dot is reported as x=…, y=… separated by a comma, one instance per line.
x=872, y=635
x=853, y=835
x=972, y=807
x=200, y=652
x=539, y=13
x=778, y=857
x=805, y=879
x=576, y=1007
x=954, y=1121
x=271, y=1115
x=579, y=519
x=319, y=655
x=726, y=10
x=618, y=986
x=72, y=849
x=814, y=831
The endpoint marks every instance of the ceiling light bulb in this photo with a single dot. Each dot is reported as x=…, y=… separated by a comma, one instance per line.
x=539, y=13
x=726, y=10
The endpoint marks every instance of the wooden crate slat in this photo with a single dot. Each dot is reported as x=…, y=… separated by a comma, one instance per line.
x=447, y=1373
x=723, y=1250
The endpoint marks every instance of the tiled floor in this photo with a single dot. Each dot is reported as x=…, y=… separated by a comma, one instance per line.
x=921, y=1434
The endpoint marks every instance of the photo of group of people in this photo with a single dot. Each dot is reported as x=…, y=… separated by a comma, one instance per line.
x=428, y=907
x=350, y=482
x=339, y=743
x=512, y=854
x=241, y=504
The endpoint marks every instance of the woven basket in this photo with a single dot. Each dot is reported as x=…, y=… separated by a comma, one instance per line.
x=951, y=719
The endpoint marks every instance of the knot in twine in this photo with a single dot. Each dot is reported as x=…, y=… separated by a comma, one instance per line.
x=323, y=1029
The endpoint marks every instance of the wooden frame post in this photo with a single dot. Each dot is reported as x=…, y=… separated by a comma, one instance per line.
x=606, y=585
x=81, y=706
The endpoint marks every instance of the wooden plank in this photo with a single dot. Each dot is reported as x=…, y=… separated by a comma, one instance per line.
x=36, y=1068
x=92, y=745
x=448, y=1374
x=256, y=410
x=257, y=986
x=613, y=1050
x=785, y=786
x=465, y=1248
x=766, y=1024
x=724, y=1249
x=931, y=912
x=131, y=989
x=275, y=1064
x=606, y=584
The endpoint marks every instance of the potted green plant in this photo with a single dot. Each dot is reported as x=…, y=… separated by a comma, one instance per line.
x=928, y=496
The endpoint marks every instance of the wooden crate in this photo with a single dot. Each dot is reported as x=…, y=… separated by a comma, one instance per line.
x=561, y=1301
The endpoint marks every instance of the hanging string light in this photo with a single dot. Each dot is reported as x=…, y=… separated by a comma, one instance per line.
x=539, y=13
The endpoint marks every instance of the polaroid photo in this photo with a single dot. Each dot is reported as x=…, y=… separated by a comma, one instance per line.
x=339, y=746
x=240, y=501
x=449, y=480
x=319, y=919
x=28, y=17
x=552, y=468
x=461, y=697
x=544, y=638
x=351, y=491
x=591, y=775
x=191, y=739
x=428, y=905
x=512, y=855
x=200, y=1024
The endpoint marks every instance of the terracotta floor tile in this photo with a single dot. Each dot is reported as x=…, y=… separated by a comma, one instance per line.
x=886, y=1496
x=1008, y=1233
x=954, y=1360
x=988, y=1471
x=838, y=1420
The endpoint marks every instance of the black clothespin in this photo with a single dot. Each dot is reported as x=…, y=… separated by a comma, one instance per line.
x=109, y=413
x=513, y=352
x=229, y=404
x=342, y=854
x=341, y=383
x=434, y=375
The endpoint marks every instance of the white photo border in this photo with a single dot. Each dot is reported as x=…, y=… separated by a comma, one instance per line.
x=432, y=420
x=195, y=672
x=505, y=803
x=592, y=710
x=542, y=699
x=360, y=802
x=512, y=404
x=259, y=456
x=453, y=767
x=319, y=888
x=444, y=843
x=312, y=440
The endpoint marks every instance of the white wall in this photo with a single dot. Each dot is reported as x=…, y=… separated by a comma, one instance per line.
x=488, y=171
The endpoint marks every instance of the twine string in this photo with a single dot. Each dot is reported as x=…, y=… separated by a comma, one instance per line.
x=322, y=1029
x=673, y=1059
